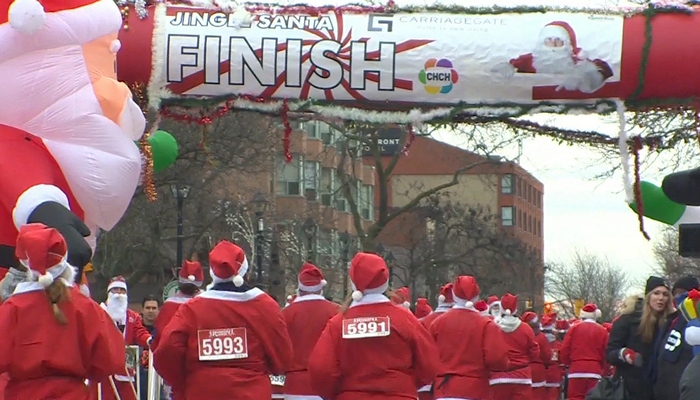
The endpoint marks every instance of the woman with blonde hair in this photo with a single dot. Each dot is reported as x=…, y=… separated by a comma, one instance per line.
x=633, y=334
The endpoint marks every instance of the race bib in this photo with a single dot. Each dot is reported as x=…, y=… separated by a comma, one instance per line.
x=277, y=380
x=366, y=327
x=222, y=344
x=555, y=355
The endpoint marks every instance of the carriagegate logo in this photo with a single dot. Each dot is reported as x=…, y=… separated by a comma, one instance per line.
x=438, y=76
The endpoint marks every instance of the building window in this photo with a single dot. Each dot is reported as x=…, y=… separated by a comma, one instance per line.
x=327, y=188
x=507, y=216
x=539, y=228
x=326, y=133
x=367, y=202
x=507, y=184
x=311, y=179
x=529, y=224
x=310, y=128
x=289, y=176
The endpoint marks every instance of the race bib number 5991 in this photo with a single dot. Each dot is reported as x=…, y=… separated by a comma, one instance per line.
x=366, y=327
x=222, y=344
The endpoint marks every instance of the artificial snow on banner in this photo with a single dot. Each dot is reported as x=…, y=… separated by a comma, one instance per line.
x=425, y=58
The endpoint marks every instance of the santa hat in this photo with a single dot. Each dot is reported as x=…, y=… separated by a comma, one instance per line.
x=548, y=322
x=482, y=307
x=228, y=263
x=465, y=291
x=590, y=311
x=192, y=273
x=311, y=278
x=402, y=297
x=368, y=275
x=560, y=30
x=562, y=325
x=445, y=296
x=43, y=251
x=422, y=308
x=529, y=318
x=117, y=282
x=493, y=301
x=509, y=304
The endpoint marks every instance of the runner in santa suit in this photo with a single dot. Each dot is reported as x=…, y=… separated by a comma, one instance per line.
x=445, y=303
x=423, y=308
x=515, y=382
x=540, y=365
x=608, y=369
x=76, y=340
x=68, y=118
x=553, y=381
x=583, y=352
x=494, y=306
x=133, y=333
x=191, y=279
x=226, y=342
x=374, y=350
x=402, y=297
x=469, y=345
x=561, y=327
x=306, y=318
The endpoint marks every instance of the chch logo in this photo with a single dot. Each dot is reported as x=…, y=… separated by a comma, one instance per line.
x=438, y=76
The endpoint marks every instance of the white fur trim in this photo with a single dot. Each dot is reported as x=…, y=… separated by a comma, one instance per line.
x=115, y=46
x=117, y=284
x=371, y=298
x=510, y=381
x=232, y=296
x=377, y=290
x=191, y=282
x=242, y=271
x=598, y=313
x=314, y=288
x=33, y=197
x=308, y=297
x=588, y=315
x=357, y=295
x=85, y=290
x=45, y=280
x=27, y=16
x=441, y=299
x=464, y=302
x=583, y=375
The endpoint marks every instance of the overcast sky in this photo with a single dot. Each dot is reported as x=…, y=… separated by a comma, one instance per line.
x=581, y=212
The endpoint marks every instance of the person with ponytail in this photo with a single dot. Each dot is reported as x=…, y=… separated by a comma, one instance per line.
x=374, y=350
x=54, y=337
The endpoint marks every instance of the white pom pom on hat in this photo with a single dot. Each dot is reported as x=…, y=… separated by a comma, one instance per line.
x=27, y=16
x=441, y=298
x=191, y=278
x=46, y=280
x=115, y=46
x=238, y=280
x=407, y=304
x=357, y=295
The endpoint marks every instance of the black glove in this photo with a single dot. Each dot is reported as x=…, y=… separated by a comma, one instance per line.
x=683, y=187
x=74, y=231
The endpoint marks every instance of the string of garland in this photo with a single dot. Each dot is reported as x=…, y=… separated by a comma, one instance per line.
x=149, y=186
x=636, y=147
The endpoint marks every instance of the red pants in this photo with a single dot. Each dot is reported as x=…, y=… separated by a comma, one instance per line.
x=553, y=393
x=421, y=396
x=579, y=388
x=125, y=389
x=511, y=392
x=539, y=392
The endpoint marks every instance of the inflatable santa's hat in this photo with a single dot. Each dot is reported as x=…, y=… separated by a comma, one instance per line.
x=42, y=250
x=423, y=308
x=445, y=297
x=590, y=311
x=368, y=275
x=311, y=278
x=228, y=263
x=482, y=307
x=509, y=304
x=465, y=292
x=192, y=273
x=118, y=282
x=402, y=297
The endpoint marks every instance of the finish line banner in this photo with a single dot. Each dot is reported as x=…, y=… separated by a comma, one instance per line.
x=428, y=58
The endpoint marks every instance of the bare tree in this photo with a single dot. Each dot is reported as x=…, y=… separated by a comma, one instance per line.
x=668, y=262
x=588, y=277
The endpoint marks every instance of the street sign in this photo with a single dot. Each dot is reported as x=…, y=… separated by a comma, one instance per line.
x=170, y=289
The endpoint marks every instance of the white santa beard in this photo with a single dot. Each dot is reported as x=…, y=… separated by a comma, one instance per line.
x=116, y=307
x=100, y=162
x=552, y=60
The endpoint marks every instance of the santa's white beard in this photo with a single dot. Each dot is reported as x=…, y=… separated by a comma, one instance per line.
x=117, y=304
x=552, y=60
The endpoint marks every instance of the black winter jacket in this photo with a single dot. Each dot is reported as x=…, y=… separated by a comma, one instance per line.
x=624, y=334
x=674, y=355
x=690, y=384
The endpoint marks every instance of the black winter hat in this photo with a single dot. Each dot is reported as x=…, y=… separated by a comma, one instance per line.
x=688, y=283
x=653, y=282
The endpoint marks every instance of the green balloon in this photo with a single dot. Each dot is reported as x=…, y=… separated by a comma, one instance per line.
x=164, y=150
x=657, y=206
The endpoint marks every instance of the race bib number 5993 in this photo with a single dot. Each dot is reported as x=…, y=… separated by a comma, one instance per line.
x=222, y=344
x=366, y=327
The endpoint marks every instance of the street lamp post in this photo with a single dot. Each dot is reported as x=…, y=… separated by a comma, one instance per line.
x=390, y=260
x=180, y=193
x=345, y=249
x=310, y=231
x=260, y=203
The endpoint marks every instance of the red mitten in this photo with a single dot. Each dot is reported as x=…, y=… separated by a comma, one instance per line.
x=631, y=357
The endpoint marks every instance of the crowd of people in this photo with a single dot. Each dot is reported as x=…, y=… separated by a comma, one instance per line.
x=232, y=340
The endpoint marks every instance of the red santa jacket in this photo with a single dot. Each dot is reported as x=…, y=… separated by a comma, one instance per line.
x=554, y=370
x=225, y=344
x=46, y=360
x=583, y=350
x=428, y=320
x=397, y=358
x=539, y=366
x=166, y=313
x=24, y=192
x=522, y=350
x=469, y=346
x=305, y=318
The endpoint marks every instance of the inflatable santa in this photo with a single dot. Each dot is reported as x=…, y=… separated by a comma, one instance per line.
x=68, y=156
x=557, y=53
